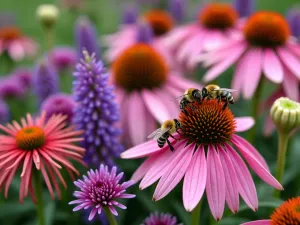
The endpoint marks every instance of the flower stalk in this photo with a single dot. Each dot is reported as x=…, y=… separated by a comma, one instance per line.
x=110, y=217
x=195, y=217
x=39, y=197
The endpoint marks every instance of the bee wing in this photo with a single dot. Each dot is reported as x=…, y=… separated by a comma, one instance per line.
x=158, y=133
x=227, y=89
x=179, y=98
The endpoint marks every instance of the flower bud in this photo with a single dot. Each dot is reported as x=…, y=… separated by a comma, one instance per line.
x=47, y=14
x=286, y=114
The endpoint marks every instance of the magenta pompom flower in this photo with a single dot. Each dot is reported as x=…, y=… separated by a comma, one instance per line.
x=160, y=219
x=63, y=58
x=206, y=156
x=36, y=144
x=101, y=189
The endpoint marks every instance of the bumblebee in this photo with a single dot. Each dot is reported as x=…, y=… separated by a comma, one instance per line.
x=189, y=96
x=213, y=91
x=166, y=130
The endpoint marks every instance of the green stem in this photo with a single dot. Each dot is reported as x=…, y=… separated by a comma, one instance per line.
x=39, y=197
x=6, y=64
x=255, y=109
x=110, y=217
x=195, y=217
x=283, y=139
x=49, y=38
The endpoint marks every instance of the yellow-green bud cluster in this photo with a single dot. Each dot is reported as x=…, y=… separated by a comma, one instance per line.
x=286, y=114
x=47, y=14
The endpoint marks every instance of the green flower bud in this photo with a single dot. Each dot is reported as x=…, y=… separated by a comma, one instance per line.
x=286, y=114
x=47, y=15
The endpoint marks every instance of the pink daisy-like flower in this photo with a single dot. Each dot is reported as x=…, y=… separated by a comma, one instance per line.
x=217, y=23
x=160, y=219
x=286, y=214
x=16, y=44
x=38, y=145
x=207, y=156
x=269, y=126
x=144, y=85
x=264, y=47
x=101, y=189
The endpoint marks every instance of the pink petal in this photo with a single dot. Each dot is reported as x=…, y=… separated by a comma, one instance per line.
x=290, y=61
x=215, y=185
x=137, y=122
x=291, y=85
x=244, y=123
x=161, y=164
x=251, y=67
x=269, y=126
x=182, y=83
x=259, y=169
x=216, y=38
x=195, y=180
x=258, y=222
x=216, y=70
x=272, y=66
x=175, y=172
x=246, y=185
x=166, y=96
x=158, y=108
x=232, y=192
x=143, y=168
x=16, y=50
x=251, y=150
x=143, y=150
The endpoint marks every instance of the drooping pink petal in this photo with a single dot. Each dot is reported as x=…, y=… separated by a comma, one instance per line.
x=143, y=150
x=258, y=168
x=244, y=123
x=246, y=185
x=252, y=150
x=175, y=172
x=195, y=180
x=136, y=119
x=215, y=185
x=291, y=85
x=232, y=192
x=269, y=126
x=258, y=222
x=143, y=168
x=272, y=66
x=155, y=106
x=161, y=164
x=251, y=65
x=292, y=62
x=216, y=70
x=165, y=96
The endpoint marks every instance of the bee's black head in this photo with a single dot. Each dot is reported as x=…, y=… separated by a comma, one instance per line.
x=197, y=94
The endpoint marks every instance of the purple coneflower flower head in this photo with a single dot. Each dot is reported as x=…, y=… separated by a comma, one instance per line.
x=45, y=81
x=96, y=112
x=63, y=58
x=244, y=7
x=130, y=14
x=4, y=112
x=160, y=219
x=24, y=76
x=144, y=33
x=101, y=189
x=86, y=38
x=293, y=18
x=59, y=104
x=10, y=87
x=177, y=9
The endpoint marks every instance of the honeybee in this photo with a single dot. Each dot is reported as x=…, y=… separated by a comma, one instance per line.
x=189, y=96
x=213, y=91
x=166, y=130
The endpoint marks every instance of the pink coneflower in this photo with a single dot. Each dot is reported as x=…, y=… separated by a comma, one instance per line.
x=63, y=58
x=265, y=47
x=216, y=24
x=101, y=189
x=144, y=85
x=160, y=219
x=286, y=214
x=206, y=155
x=38, y=145
x=16, y=44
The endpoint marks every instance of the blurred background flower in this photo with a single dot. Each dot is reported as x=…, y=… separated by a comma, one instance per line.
x=160, y=219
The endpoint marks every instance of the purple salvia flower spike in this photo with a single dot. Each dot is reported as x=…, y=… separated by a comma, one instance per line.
x=177, y=9
x=244, y=7
x=293, y=18
x=144, y=33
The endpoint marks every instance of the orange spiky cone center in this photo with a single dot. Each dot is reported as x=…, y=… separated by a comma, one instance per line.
x=30, y=138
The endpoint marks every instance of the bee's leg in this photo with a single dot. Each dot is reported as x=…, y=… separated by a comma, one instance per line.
x=173, y=137
x=177, y=130
x=170, y=145
x=225, y=104
x=185, y=112
x=219, y=99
